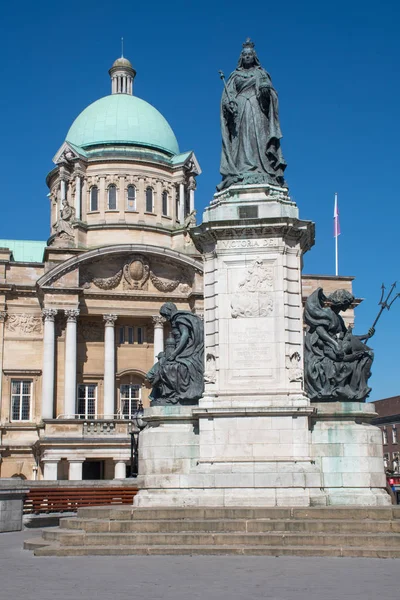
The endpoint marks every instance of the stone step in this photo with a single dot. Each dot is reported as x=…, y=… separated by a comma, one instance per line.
x=367, y=540
x=181, y=550
x=37, y=542
x=230, y=525
x=325, y=512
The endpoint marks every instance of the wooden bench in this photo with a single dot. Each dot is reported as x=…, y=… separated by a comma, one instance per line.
x=63, y=499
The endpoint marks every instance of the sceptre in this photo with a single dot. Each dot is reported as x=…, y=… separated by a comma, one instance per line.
x=231, y=101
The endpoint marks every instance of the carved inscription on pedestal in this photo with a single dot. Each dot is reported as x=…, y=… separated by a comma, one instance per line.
x=251, y=349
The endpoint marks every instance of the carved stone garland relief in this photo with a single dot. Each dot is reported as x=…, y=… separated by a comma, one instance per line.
x=252, y=298
x=136, y=273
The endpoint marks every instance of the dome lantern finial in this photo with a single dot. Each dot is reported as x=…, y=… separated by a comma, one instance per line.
x=122, y=75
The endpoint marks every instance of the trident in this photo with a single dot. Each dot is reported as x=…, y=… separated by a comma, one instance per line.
x=385, y=303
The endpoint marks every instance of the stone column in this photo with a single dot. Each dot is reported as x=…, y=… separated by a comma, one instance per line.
x=50, y=469
x=63, y=190
x=191, y=192
x=109, y=364
x=49, y=315
x=3, y=316
x=75, y=469
x=119, y=469
x=70, y=363
x=78, y=196
x=158, y=322
x=181, y=203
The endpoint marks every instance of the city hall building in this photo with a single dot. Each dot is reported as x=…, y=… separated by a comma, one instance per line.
x=79, y=314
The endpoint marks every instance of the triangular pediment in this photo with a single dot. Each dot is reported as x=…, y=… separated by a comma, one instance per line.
x=187, y=160
x=68, y=152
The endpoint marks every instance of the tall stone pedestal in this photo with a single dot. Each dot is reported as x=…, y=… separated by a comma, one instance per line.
x=254, y=439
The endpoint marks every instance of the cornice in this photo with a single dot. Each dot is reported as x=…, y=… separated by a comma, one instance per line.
x=302, y=232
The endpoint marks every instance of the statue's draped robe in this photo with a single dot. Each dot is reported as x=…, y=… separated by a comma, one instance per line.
x=182, y=379
x=337, y=365
x=251, y=140
x=64, y=223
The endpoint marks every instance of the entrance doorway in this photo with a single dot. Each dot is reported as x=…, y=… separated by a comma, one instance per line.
x=93, y=469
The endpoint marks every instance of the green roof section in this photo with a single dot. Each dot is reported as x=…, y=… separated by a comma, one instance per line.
x=122, y=119
x=179, y=159
x=25, y=250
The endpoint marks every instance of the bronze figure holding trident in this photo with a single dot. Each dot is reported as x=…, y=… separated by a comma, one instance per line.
x=337, y=364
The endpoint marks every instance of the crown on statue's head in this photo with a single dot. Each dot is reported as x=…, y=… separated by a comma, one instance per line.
x=248, y=44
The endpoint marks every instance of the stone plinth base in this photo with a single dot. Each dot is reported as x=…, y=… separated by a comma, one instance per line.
x=191, y=456
x=325, y=454
x=12, y=492
x=348, y=451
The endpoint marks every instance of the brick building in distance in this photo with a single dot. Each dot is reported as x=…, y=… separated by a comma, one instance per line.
x=388, y=420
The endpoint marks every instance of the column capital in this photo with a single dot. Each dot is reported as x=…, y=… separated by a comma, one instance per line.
x=49, y=314
x=110, y=320
x=158, y=320
x=3, y=316
x=72, y=314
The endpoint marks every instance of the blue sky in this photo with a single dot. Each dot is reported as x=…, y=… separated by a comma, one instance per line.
x=335, y=66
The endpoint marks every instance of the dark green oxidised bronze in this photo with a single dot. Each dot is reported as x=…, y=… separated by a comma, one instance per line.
x=251, y=133
x=178, y=376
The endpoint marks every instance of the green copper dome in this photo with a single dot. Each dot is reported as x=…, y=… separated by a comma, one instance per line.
x=122, y=119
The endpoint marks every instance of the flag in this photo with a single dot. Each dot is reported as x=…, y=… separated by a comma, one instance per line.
x=336, y=224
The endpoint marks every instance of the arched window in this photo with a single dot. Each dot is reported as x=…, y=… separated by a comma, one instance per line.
x=94, y=198
x=149, y=200
x=165, y=203
x=131, y=198
x=112, y=197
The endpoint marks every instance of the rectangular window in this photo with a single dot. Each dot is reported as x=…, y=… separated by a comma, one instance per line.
x=394, y=434
x=386, y=459
x=87, y=401
x=21, y=397
x=94, y=195
x=130, y=335
x=395, y=462
x=131, y=198
x=130, y=397
x=140, y=335
x=122, y=335
x=112, y=197
x=165, y=204
x=149, y=200
x=384, y=435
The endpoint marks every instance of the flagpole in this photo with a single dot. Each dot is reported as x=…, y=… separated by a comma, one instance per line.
x=336, y=221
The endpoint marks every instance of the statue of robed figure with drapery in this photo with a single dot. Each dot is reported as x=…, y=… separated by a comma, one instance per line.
x=251, y=133
x=337, y=364
x=178, y=376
